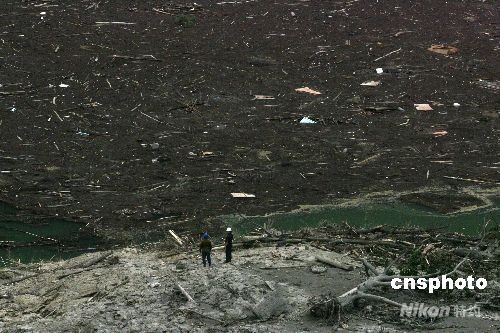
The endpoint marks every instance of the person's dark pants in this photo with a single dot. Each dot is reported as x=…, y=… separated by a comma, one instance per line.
x=206, y=257
x=229, y=253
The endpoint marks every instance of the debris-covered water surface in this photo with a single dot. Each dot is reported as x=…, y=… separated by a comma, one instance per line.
x=148, y=115
x=27, y=238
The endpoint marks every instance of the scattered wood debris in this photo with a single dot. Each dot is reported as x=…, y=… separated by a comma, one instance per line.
x=262, y=97
x=308, y=90
x=371, y=83
x=423, y=107
x=177, y=238
x=443, y=49
x=242, y=195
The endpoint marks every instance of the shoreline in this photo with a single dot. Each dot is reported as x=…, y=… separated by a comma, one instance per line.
x=264, y=289
x=365, y=211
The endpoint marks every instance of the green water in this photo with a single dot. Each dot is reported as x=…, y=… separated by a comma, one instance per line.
x=33, y=239
x=395, y=214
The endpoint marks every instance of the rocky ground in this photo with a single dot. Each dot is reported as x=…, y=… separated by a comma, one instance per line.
x=146, y=115
x=265, y=289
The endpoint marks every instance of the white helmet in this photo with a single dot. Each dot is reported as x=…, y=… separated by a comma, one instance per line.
x=228, y=229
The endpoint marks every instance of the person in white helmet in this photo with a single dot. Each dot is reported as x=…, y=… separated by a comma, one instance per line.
x=229, y=245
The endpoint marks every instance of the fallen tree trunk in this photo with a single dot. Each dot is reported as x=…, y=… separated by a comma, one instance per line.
x=330, y=241
x=475, y=254
x=369, y=242
x=93, y=261
x=21, y=279
x=334, y=263
x=331, y=307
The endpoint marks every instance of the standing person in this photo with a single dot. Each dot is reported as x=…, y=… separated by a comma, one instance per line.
x=229, y=245
x=206, y=249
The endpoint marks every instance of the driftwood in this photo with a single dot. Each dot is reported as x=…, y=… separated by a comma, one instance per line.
x=388, y=54
x=471, y=180
x=93, y=261
x=149, y=57
x=331, y=307
x=6, y=93
x=472, y=253
x=254, y=238
x=76, y=269
x=330, y=241
x=280, y=267
x=268, y=283
x=185, y=293
x=203, y=315
x=89, y=265
x=369, y=242
x=235, y=245
x=269, y=240
x=177, y=238
x=334, y=263
x=21, y=279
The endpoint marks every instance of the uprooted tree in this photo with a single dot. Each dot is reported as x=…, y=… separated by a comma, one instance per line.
x=331, y=308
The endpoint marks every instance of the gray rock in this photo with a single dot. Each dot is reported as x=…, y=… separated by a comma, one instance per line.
x=272, y=305
x=181, y=265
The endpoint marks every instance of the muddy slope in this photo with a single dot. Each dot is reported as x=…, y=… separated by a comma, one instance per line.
x=264, y=290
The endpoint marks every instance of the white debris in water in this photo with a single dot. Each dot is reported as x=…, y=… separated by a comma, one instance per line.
x=307, y=120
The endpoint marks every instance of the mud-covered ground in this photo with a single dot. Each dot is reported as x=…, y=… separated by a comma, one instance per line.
x=263, y=290
x=137, y=114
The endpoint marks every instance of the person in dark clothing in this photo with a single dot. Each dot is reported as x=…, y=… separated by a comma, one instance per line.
x=206, y=249
x=229, y=245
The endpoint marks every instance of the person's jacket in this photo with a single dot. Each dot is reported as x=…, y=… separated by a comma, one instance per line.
x=229, y=240
x=206, y=245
